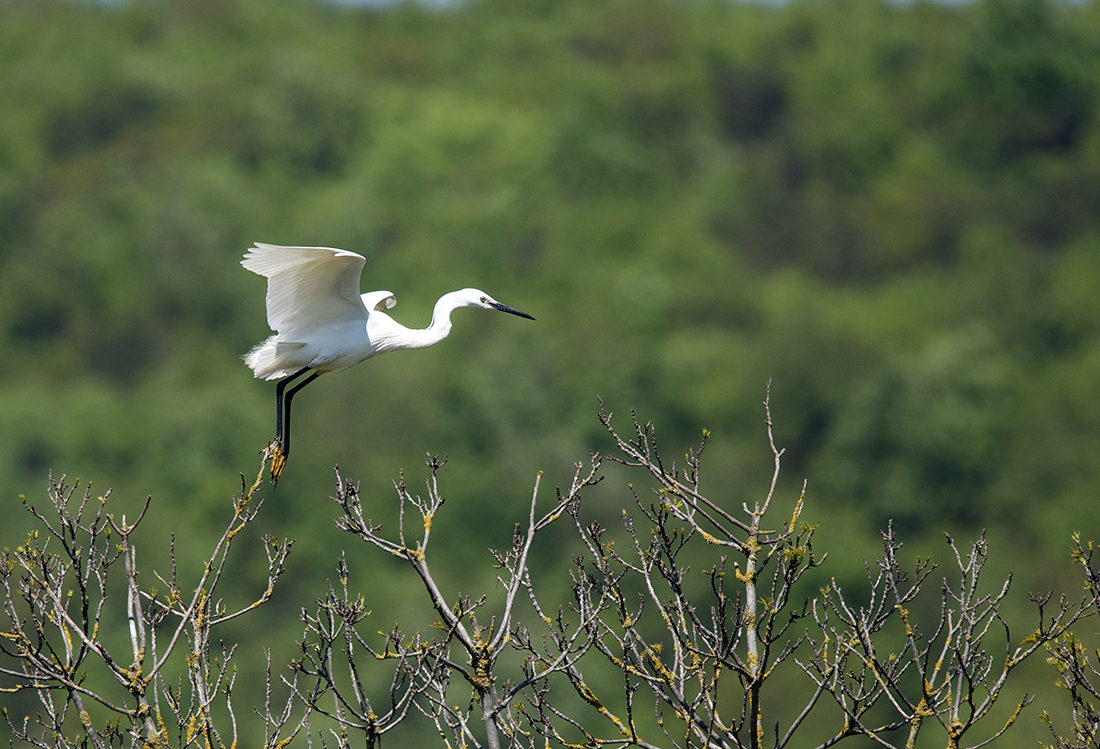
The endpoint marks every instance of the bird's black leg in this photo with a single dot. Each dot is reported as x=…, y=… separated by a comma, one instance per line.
x=286, y=415
x=282, y=430
x=279, y=388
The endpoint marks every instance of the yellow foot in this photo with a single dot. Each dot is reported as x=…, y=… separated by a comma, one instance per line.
x=278, y=461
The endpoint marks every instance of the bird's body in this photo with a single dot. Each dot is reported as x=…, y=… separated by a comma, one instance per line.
x=324, y=323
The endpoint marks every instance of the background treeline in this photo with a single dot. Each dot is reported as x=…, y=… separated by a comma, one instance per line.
x=891, y=210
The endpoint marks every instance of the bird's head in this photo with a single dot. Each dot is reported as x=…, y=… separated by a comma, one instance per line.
x=476, y=298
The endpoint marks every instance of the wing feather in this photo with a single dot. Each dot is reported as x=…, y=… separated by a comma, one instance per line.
x=379, y=301
x=308, y=287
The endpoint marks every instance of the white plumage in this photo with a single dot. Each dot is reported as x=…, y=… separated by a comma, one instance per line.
x=322, y=322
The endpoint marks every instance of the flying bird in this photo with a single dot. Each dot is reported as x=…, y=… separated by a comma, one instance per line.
x=322, y=323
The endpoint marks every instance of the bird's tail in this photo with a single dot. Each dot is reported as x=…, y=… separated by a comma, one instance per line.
x=266, y=359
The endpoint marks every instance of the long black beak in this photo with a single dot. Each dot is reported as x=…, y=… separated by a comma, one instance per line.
x=506, y=308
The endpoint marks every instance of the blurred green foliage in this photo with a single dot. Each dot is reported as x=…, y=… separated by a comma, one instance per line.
x=891, y=210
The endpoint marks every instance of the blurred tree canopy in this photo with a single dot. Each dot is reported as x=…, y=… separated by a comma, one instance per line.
x=891, y=210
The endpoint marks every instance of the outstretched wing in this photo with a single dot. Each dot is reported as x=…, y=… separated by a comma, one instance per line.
x=377, y=301
x=308, y=287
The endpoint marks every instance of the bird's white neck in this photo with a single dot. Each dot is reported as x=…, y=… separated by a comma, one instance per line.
x=397, y=336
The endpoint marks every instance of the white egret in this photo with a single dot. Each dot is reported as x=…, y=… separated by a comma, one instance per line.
x=322, y=322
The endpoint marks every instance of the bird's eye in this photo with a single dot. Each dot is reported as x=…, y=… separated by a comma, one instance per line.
x=483, y=300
